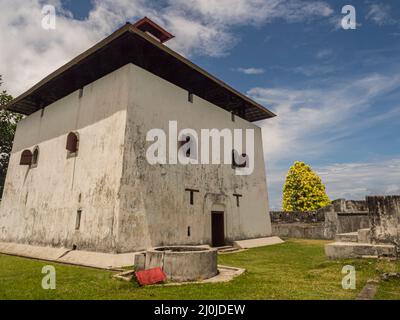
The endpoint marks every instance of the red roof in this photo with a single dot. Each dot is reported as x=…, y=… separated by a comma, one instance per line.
x=147, y=25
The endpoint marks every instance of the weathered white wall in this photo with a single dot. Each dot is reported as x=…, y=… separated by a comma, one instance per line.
x=40, y=204
x=155, y=209
x=127, y=204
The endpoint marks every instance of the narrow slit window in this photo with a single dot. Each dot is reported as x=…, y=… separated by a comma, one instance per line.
x=35, y=157
x=78, y=220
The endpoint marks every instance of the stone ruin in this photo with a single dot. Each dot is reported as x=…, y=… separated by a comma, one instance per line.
x=382, y=238
x=342, y=216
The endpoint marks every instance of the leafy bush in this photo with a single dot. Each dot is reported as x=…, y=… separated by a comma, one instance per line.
x=303, y=189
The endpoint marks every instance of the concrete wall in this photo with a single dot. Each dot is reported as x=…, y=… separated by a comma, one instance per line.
x=300, y=230
x=352, y=222
x=384, y=214
x=40, y=204
x=297, y=216
x=342, y=216
x=127, y=204
x=161, y=213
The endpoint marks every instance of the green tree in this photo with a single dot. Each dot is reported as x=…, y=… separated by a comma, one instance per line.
x=303, y=189
x=8, y=125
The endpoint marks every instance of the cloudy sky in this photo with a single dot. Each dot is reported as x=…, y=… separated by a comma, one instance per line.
x=336, y=91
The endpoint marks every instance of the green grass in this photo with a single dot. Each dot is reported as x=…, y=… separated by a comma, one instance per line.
x=296, y=269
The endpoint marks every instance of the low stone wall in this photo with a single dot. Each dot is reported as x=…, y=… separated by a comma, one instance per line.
x=342, y=216
x=299, y=230
x=296, y=217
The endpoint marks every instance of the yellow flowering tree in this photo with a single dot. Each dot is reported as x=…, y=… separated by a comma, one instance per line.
x=303, y=189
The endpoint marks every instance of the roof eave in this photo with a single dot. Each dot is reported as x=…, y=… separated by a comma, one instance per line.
x=130, y=28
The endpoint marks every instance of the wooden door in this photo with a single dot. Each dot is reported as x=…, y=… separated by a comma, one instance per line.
x=218, y=229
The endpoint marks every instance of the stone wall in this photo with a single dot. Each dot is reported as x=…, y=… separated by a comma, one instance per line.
x=299, y=230
x=384, y=214
x=341, y=216
x=108, y=197
x=295, y=217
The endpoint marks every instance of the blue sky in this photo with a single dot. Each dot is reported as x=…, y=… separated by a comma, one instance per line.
x=336, y=91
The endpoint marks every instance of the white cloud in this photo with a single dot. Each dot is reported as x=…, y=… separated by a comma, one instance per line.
x=202, y=27
x=357, y=180
x=380, y=14
x=324, y=53
x=244, y=12
x=251, y=71
x=310, y=123
x=314, y=70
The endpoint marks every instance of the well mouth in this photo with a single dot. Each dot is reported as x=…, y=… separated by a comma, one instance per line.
x=184, y=263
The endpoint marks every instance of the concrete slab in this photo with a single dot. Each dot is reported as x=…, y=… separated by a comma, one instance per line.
x=347, y=237
x=369, y=291
x=28, y=251
x=99, y=259
x=255, y=243
x=346, y=250
x=62, y=255
x=225, y=274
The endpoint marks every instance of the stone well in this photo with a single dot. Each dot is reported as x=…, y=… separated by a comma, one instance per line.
x=184, y=263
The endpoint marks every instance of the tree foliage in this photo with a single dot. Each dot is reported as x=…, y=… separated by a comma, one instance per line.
x=8, y=125
x=303, y=189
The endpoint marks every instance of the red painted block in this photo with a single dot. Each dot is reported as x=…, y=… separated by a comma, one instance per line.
x=152, y=276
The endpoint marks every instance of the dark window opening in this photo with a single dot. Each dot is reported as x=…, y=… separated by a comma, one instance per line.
x=26, y=158
x=72, y=143
x=192, y=192
x=233, y=116
x=78, y=220
x=189, y=232
x=238, y=196
x=239, y=162
x=190, y=97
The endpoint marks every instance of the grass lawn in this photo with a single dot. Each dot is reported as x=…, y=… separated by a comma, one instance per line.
x=296, y=269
